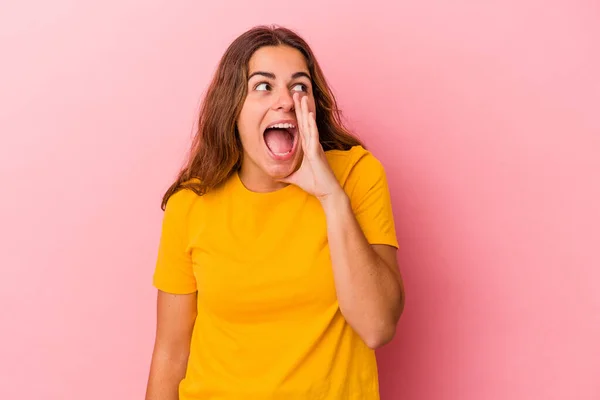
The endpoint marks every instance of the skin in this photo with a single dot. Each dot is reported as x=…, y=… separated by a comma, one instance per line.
x=369, y=287
x=175, y=320
x=270, y=99
x=368, y=283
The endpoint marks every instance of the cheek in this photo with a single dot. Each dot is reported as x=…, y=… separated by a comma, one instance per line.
x=252, y=115
x=245, y=121
x=311, y=102
x=312, y=105
x=248, y=127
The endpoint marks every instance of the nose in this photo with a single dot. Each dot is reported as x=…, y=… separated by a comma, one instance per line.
x=284, y=101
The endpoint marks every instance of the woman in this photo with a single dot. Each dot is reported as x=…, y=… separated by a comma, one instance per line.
x=276, y=269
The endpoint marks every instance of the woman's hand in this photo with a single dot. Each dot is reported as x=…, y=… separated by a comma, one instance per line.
x=314, y=175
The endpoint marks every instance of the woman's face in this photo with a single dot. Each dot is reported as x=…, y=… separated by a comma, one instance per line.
x=267, y=122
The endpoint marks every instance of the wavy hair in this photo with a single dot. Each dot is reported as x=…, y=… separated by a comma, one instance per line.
x=216, y=150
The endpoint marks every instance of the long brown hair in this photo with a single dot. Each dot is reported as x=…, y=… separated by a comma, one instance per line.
x=216, y=150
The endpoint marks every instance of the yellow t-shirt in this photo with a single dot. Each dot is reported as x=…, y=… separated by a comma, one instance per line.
x=269, y=325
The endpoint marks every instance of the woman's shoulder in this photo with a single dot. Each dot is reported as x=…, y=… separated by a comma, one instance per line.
x=186, y=197
x=181, y=202
x=192, y=196
x=354, y=162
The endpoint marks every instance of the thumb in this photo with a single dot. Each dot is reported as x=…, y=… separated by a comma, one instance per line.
x=294, y=178
x=289, y=179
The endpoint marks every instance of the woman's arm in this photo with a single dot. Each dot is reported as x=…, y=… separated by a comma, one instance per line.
x=176, y=314
x=368, y=283
x=367, y=280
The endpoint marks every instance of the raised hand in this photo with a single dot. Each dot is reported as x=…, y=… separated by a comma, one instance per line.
x=314, y=175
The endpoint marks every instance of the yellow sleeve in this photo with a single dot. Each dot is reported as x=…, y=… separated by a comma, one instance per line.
x=371, y=201
x=173, y=272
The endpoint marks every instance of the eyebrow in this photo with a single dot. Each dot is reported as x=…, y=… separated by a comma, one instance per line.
x=271, y=75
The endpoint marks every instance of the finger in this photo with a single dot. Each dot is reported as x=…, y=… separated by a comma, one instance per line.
x=306, y=121
x=314, y=132
x=297, y=108
x=292, y=178
x=312, y=129
x=299, y=119
x=303, y=115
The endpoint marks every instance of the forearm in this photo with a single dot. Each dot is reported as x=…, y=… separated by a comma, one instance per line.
x=369, y=291
x=166, y=372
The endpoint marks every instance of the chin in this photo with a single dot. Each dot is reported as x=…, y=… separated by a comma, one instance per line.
x=282, y=169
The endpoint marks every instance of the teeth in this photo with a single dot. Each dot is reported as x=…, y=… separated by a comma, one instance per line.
x=282, y=126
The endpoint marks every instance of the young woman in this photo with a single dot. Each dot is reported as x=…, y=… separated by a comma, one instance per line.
x=276, y=272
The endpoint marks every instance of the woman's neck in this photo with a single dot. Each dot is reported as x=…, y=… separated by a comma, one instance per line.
x=256, y=180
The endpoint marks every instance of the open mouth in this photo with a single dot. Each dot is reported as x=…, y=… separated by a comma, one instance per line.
x=281, y=139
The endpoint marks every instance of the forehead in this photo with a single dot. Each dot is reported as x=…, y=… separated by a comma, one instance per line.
x=280, y=60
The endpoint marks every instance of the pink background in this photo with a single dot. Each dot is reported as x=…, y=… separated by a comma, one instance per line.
x=486, y=115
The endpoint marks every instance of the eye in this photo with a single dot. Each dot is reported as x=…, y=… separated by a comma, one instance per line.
x=303, y=87
x=262, y=86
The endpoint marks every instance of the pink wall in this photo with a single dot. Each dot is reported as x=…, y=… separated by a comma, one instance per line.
x=486, y=115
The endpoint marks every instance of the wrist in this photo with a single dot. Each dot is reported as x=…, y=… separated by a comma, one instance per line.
x=335, y=201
